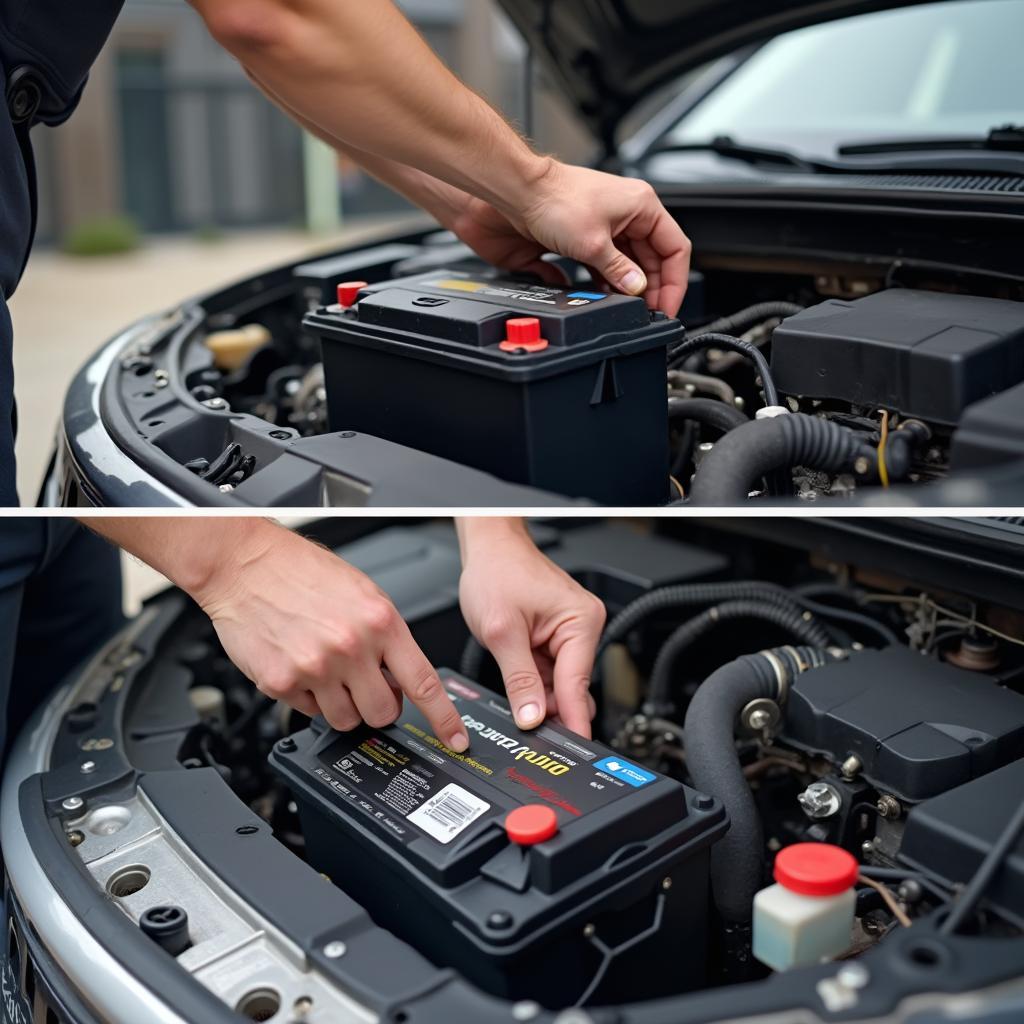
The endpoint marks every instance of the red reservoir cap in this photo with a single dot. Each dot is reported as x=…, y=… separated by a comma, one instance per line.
x=348, y=292
x=531, y=824
x=815, y=869
x=523, y=332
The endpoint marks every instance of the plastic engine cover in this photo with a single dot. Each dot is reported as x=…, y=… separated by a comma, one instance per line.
x=924, y=354
x=918, y=726
x=594, y=889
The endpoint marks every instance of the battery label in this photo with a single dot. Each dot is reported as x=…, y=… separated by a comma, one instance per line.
x=448, y=813
x=508, y=292
x=413, y=784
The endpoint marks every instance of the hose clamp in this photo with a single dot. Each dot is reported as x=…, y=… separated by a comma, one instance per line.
x=781, y=675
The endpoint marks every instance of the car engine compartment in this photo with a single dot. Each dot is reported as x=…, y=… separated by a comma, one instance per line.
x=760, y=684
x=412, y=374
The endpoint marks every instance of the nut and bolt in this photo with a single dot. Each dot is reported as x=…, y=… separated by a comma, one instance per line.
x=589, y=931
x=499, y=920
x=335, y=950
x=861, y=465
x=226, y=488
x=888, y=806
x=759, y=719
x=281, y=435
x=73, y=803
x=820, y=800
x=867, y=847
x=302, y=1006
x=851, y=766
x=217, y=404
x=87, y=767
x=666, y=884
x=76, y=837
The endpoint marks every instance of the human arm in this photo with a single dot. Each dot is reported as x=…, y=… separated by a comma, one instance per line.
x=302, y=624
x=541, y=626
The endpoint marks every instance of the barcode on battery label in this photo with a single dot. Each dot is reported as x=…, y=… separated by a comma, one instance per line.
x=448, y=812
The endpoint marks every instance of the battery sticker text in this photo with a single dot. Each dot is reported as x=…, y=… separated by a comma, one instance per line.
x=518, y=750
x=448, y=813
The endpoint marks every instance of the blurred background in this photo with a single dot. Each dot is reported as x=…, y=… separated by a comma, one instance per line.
x=176, y=174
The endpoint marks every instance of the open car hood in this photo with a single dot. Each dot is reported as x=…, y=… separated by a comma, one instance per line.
x=606, y=55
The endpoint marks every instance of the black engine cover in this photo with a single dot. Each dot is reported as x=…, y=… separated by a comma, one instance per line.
x=923, y=354
x=918, y=726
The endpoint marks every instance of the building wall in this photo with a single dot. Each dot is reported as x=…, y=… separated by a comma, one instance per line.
x=172, y=132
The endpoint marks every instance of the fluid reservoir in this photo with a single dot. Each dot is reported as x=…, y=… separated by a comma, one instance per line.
x=807, y=916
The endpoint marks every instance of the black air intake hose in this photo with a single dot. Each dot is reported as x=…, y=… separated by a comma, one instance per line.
x=708, y=413
x=743, y=456
x=742, y=321
x=683, y=595
x=737, y=859
x=788, y=618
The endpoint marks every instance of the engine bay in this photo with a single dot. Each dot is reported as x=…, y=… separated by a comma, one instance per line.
x=412, y=374
x=762, y=686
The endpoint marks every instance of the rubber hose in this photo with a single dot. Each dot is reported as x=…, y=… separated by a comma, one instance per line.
x=708, y=413
x=737, y=859
x=682, y=595
x=790, y=619
x=727, y=341
x=743, y=456
x=743, y=320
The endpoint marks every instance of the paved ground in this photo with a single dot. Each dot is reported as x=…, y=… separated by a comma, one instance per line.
x=67, y=307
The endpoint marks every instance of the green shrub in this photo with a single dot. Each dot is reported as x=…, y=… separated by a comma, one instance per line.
x=103, y=236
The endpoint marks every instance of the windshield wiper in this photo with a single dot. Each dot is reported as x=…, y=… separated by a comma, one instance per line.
x=725, y=145
x=1007, y=137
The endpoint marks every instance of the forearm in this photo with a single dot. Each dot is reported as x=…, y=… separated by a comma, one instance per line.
x=480, y=532
x=348, y=52
x=190, y=551
x=443, y=201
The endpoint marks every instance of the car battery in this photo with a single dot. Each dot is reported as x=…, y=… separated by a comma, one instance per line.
x=540, y=865
x=559, y=388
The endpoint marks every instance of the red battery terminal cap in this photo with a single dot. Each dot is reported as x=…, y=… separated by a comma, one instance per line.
x=530, y=824
x=815, y=869
x=524, y=334
x=348, y=292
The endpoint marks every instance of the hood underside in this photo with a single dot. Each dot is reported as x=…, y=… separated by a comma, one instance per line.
x=607, y=55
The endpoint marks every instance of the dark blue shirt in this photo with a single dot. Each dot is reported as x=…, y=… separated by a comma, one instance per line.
x=46, y=50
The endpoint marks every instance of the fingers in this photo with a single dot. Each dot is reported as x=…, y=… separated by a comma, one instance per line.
x=573, y=667
x=338, y=707
x=509, y=642
x=617, y=268
x=411, y=670
x=660, y=242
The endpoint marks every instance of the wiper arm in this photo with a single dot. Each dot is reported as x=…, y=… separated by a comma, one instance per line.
x=1004, y=137
x=724, y=145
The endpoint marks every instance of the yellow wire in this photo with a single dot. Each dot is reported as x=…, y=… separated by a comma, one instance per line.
x=679, y=486
x=883, y=469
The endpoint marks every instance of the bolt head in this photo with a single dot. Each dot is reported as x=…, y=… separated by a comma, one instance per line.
x=73, y=803
x=335, y=950
x=861, y=465
x=850, y=766
x=588, y=931
x=87, y=767
x=820, y=800
x=759, y=718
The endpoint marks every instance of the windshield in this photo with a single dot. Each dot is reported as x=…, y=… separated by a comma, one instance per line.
x=937, y=70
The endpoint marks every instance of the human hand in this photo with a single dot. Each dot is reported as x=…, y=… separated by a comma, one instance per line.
x=312, y=631
x=615, y=226
x=541, y=626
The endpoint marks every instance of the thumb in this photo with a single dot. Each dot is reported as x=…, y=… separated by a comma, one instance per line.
x=525, y=688
x=620, y=271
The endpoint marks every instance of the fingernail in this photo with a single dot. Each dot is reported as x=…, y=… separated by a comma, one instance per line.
x=634, y=283
x=528, y=714
x=459, y=742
